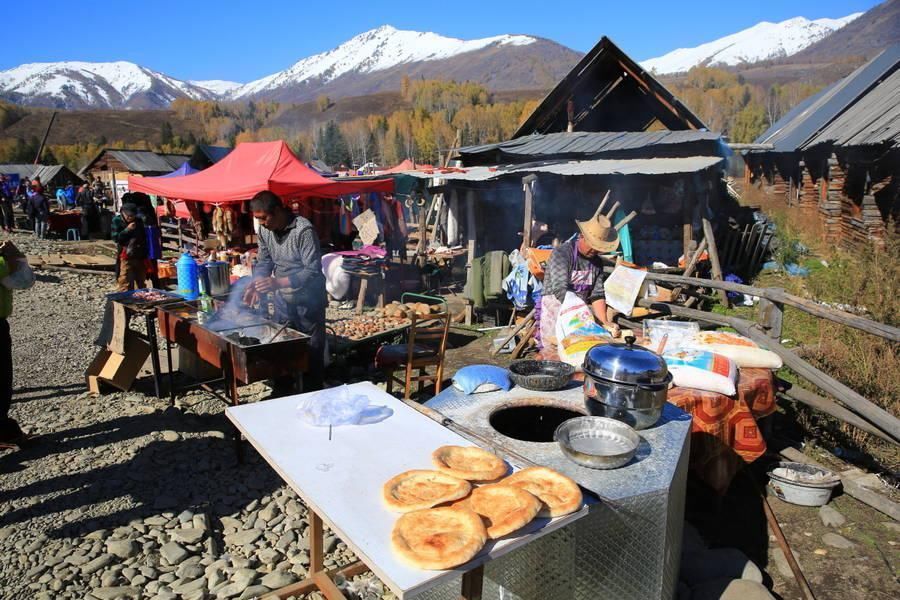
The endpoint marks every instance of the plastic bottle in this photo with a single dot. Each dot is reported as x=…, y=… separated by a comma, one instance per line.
x=188, y=277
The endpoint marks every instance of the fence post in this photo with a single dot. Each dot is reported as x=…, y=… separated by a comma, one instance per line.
x=771, y=315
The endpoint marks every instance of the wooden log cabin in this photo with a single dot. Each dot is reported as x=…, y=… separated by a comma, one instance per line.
x=837, y=154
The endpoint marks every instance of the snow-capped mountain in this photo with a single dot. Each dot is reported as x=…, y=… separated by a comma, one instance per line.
x=375, y=50
x=75, y=84
x=218, y=87
x=763, y=41
x=370, y=62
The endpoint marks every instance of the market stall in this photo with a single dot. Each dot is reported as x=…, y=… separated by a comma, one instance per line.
x=339, y=473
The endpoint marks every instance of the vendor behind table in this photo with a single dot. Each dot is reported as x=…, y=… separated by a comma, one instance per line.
x=289, y=269
x=576, y=266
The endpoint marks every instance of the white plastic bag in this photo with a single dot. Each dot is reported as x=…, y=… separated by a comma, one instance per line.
x=22, y=279
x=743, y=351
x=576, y=318
x=336, y=406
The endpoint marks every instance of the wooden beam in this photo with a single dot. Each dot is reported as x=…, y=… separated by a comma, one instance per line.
x=830, y=407
x=529, y=210
x=710, y=238
x=882, y=330
x=662, y=100
x=316, y=544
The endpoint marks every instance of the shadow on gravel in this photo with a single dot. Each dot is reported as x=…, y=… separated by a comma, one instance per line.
x=21, y=396
x=197, y=473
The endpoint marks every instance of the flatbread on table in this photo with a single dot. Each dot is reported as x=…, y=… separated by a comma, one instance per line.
x=438, y=538
x=559, y=494
x=418, y=489
x=469, y=462
x=504, y=508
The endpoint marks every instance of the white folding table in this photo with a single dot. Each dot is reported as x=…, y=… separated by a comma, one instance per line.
x=340, y=480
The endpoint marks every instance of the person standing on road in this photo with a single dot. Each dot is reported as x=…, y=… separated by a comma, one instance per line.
x=289, y=267
x=15, y=274
x=6, y=205
x=61, y=198
x=39, y=211
x=131, y=244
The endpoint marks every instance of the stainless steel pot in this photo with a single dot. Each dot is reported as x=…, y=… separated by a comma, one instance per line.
x=219, y=277
x=625, y=382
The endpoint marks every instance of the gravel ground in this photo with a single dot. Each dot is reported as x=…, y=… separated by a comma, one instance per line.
x=106, y=505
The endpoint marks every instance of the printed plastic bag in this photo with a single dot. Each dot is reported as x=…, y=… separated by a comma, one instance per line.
x=549, y=314
x=336, y=406
x=702, y=370
x=743, y=351
x=576, y=318
x=573, y=348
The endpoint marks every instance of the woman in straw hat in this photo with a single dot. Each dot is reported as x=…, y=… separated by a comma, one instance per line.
x=575, y=266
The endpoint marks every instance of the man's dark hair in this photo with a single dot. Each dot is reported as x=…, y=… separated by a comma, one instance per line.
x=266, y=201
x=129, y=210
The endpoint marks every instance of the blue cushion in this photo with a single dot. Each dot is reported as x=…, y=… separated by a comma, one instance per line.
x=469, y=379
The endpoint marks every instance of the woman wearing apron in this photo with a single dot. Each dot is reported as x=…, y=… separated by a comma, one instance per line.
x=575, y=266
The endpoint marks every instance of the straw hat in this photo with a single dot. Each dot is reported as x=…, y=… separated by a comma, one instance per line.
x=599, y=232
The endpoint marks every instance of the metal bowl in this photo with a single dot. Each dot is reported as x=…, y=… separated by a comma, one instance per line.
x=541, y=375
x=597, y=442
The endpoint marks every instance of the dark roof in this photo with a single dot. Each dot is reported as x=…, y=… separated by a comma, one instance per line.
x=800, y=125
x=214, y=153
x=610, y=92
x=141, y=161
x=873, y=121
x=46, y=173
x=583, y=144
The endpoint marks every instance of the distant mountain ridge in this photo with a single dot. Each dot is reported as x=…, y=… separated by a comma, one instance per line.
x=370, y=62
x=763, y=41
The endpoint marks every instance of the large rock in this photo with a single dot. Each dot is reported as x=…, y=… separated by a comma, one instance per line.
x=277, y=579
x=718, y=563
x=244, y=537
x=89, y=568
x=173, y=552
x=122, y=548
x=190, y=535
x=831, y=517
x=837, y=541
x=731, y=589
x=114, y=593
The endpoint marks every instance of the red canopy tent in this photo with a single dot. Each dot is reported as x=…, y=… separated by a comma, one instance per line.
x=250, y=168
x=406, y=165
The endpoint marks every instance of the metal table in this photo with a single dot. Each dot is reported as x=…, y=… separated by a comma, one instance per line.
x=340, y=481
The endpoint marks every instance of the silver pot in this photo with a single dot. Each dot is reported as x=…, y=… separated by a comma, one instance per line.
x=625, y=382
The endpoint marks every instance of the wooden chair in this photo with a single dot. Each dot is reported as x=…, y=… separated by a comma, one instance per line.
x=425, y=346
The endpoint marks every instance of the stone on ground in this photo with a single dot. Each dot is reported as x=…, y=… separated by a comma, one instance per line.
x=731, y=589
x=837, y=541
x=831, y=517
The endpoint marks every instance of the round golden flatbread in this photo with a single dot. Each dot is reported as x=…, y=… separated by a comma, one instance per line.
x=418, y=489
x=438, y=538
x=468, y=462
x=559, y=494
x=505, y=508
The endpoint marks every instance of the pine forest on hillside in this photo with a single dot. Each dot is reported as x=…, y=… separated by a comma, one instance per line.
x=421, y=124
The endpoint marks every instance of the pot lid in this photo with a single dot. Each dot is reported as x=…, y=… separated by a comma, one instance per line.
x=626, y=363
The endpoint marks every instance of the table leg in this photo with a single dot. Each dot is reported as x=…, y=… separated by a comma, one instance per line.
x=171, y=373
x=361, y=299
x=231, y=382
x=154, y=350
x=472, y=582
x=316, y=544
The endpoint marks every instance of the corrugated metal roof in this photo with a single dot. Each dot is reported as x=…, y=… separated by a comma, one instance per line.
x=145, y=161
x=46, y=173
x=22, y=170
x=639, y=166
x=793, y=133
x=873, y=120
x=585, y=143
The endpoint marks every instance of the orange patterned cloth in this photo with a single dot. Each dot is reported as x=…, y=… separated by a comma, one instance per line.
x=724, y=434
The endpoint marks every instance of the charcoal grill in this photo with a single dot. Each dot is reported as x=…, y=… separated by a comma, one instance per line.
x=242, y=345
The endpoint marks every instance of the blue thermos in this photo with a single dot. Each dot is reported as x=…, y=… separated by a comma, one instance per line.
x=188, y=277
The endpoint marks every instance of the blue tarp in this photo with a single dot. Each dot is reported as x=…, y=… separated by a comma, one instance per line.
x=184, y=169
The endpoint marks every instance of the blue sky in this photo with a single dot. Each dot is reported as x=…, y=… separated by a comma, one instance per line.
x=241, y=41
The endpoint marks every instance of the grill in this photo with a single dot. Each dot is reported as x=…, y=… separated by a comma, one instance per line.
x=247, y=345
